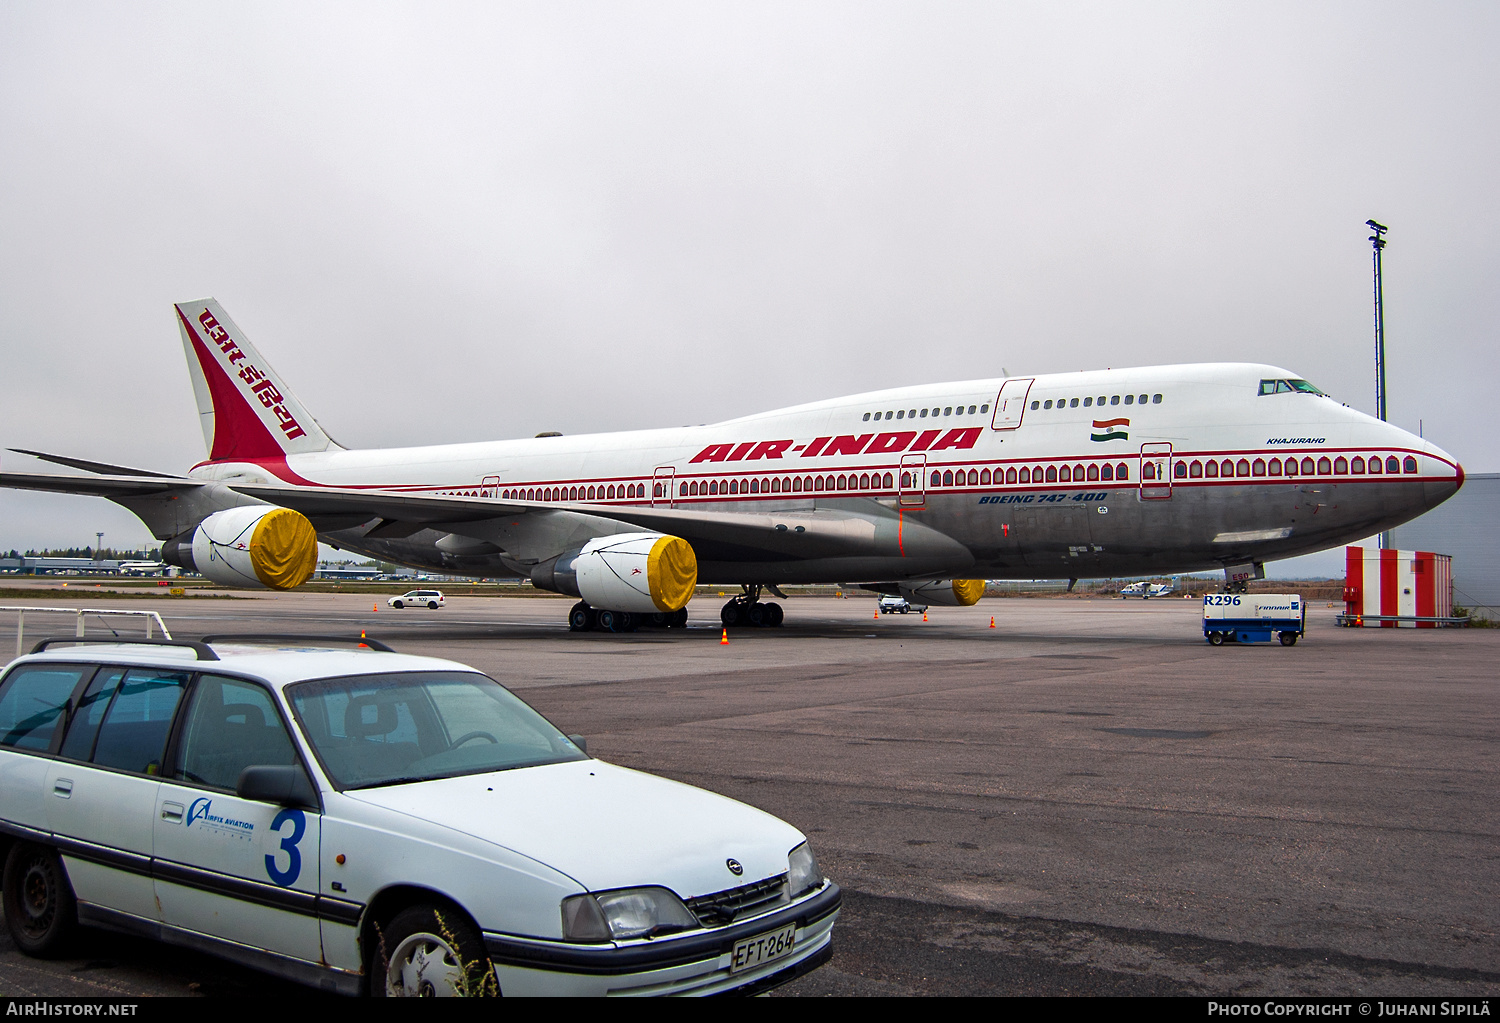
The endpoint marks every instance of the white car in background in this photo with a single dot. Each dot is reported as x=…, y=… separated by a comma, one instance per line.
x=418, y=598
x=367, y=821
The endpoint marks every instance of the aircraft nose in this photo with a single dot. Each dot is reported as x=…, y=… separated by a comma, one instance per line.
x=1442, y=474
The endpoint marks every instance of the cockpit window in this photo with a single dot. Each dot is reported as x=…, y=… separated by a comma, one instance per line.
x=1287, y=386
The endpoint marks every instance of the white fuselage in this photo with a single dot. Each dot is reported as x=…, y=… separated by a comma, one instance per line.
x=1111, y=472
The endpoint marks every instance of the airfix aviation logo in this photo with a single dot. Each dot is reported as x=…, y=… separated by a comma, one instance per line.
x=1109, y=429
x=260, y=385
x=848, y=444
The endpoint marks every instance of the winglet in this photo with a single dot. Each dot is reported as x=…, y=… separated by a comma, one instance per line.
x=245, y=409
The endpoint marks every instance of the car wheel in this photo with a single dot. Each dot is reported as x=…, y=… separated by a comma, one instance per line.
x=433, y=952
x=398, y=605
x=432, y=605
x=1216, y=638
x=39, y=906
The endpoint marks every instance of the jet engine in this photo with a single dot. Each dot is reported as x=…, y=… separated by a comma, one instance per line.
x=944, y=592
x=640, y=572
x=255, y=546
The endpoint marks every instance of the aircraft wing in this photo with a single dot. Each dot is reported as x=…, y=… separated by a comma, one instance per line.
x=97, y=486
x=99, y=467
x=731, y=536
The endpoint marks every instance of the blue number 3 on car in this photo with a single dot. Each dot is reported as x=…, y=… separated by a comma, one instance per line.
x=369, y=821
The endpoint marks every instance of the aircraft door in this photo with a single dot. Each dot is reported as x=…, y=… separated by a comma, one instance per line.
x=1010, y=404
x=662, y=495
x=491, y=487
x=1156, y=472
x=912, y=492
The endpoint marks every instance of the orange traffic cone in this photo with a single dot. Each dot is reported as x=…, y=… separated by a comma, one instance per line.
x=876, y=615
x=375, y=607
x=361, y=633
x=992, y=621
x=724, y=639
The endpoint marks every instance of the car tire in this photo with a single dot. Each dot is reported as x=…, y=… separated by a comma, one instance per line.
x=398, y=605
x=1216, y=638
x=430, y=951
x=432, y=605
x=40, y=909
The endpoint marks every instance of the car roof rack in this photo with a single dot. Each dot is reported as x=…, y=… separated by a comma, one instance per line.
x=201, y=648
x=300, y=639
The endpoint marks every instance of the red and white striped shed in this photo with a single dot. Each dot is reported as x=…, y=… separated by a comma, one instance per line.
x=1397, y=588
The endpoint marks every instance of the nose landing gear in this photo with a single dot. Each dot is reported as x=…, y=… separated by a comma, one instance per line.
x=749, y=610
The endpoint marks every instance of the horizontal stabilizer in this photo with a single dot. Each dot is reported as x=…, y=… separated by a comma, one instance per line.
x=97, y=486
x=88, y=466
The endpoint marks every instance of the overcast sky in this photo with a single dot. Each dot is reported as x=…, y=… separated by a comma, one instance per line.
x=448, y=222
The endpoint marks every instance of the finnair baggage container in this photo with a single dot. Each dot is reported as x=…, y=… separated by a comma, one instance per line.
x=1253, y=617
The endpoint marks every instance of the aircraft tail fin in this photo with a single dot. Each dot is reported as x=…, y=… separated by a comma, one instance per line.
x=246, y=411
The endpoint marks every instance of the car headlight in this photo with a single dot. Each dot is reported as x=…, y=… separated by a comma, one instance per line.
x=802, y=870
x=631, y=913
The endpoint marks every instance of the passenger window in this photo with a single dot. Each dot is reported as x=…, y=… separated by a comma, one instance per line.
x=34, y=701
x=1141, y=400
x=1358, y=465
x=1156, y=399
x=134, y=733
x=948, y=410
x=1409, y=464
x=1073, y=403
x=1324, y=467
x=1340, y=466
x=1212, y=470
x=984, y=408
x=901, y=414
x=1047, y=404
x=1195, y=471
x=1391, y=465
x=1035, y=405
x=1179, y=470
x=1108, y=471
x=1051, y=474
x=1114, y=400
x=231, y=725
x=78, y=744
x=1122, y=472
x=1258, y=468
x=971, y=410
x=1129, y=399
x=1275, y=467
x=867, y=417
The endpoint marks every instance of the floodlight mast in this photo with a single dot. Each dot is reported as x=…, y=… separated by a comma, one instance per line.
x=1377, y=243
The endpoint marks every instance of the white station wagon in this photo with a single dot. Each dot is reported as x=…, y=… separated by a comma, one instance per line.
x=368, y=821
x=418, y=598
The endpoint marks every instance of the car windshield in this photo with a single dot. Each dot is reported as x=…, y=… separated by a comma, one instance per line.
x=370, y=730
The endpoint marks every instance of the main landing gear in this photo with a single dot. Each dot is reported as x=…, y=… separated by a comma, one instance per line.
x=748, y=609
x=583, y=618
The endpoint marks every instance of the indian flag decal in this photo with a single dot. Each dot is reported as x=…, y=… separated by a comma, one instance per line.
x=1109, y=429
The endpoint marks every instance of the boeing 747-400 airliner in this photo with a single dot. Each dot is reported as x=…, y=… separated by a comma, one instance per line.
x=925, y=490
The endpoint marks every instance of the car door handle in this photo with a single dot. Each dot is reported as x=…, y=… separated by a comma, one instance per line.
x=171, y=811
x=62, y=787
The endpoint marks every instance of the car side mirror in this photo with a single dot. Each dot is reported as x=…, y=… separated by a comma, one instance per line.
x=279, y=784
x=580, y=742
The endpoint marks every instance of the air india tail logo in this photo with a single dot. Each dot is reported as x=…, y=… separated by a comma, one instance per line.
x=1109, y=429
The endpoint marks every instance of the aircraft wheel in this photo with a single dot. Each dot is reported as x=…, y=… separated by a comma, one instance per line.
x=1288, y=639
x=1216, y=638
x=732, y=614
x=610, y=621
x=677, y=619
x=774, y=614
x=756, y=613
x=581, y=618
